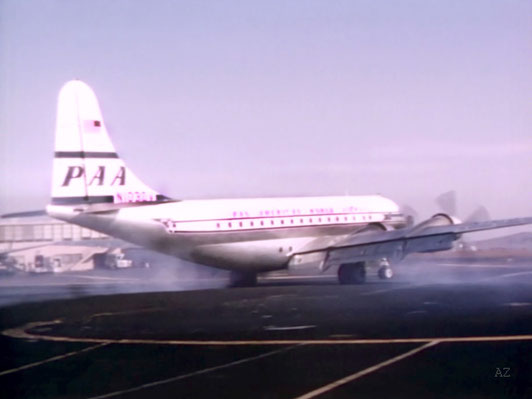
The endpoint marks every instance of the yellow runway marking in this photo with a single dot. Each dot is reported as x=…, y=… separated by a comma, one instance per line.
x=352, y=377
x=21, y=333
x=53, y=359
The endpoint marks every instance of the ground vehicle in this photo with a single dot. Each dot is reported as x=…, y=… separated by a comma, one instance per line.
x=118, y=261
x=111, y=261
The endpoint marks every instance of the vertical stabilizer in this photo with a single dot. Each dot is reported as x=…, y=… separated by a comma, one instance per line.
x=86, y=168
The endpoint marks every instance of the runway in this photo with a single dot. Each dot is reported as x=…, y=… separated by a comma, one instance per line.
x=437, y=330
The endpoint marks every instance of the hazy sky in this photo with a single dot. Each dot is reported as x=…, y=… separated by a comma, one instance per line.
x=209, y=99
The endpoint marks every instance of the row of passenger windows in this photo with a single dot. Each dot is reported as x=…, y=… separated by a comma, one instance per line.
x=46, y=232
x=292, y=221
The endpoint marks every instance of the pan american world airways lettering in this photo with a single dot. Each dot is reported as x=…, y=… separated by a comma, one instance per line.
x=98, y=179
x=107, y=177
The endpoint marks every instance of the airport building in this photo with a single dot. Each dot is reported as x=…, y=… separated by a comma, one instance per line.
x=43, y=244
x=42, y=229
x=38, y=244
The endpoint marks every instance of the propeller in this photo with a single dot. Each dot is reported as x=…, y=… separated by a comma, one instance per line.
x=478, y=215
x=447, y=202
x=410, y=213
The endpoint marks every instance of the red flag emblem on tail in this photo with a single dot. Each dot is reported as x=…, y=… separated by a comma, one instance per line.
x=92, y=126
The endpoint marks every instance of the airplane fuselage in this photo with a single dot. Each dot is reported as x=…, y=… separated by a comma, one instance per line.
x=239, y=234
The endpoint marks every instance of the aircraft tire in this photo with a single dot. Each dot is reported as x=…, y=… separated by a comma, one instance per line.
x=385, y=273
x=352, y=273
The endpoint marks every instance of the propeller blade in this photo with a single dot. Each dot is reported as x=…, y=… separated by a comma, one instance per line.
x=447, y=202
x=410, y=213
x=480, y=214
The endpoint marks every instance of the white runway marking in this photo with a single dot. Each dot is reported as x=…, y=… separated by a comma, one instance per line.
x=194, y=373
x=53, y=359
x=57, y=284
x=125, y=279
x=480, y=265
x=288, y=328
x=296, y=277
x=352, y=377
x=384, y=290
x=506, y=275
x=517, y=304
x=515, y=274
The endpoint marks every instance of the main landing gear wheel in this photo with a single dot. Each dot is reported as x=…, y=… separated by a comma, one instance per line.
x=352, y=273
x=385, y=273
x=242, y=279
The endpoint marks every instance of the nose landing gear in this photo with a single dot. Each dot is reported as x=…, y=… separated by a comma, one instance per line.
x=385, y=273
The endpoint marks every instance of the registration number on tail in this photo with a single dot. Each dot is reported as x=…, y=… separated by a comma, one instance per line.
x=134, y=196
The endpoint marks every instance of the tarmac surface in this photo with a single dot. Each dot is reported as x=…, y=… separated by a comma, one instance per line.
x=436, y=330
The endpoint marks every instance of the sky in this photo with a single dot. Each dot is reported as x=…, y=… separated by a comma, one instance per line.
x=221, y=99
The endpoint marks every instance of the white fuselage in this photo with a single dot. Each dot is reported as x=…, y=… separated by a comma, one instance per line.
x=237, y=234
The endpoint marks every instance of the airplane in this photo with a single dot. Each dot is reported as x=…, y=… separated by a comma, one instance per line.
x=92, y=187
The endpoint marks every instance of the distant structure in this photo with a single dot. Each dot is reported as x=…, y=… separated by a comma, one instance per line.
x=41, y=243
x=42, y=229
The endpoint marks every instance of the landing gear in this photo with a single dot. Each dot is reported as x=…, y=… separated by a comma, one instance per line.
x=352, y=273
x=242, y=279
x=355, y=273
x=385, y=273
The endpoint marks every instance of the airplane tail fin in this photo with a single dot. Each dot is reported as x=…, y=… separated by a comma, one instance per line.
x=87, y=169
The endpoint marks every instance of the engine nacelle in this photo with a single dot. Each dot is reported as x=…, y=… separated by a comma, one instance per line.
x=439, y=219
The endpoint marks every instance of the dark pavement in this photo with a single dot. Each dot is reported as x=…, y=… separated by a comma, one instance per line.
x=437, y=330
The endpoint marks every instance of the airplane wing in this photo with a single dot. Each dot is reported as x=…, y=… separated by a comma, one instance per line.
x=396, y=244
